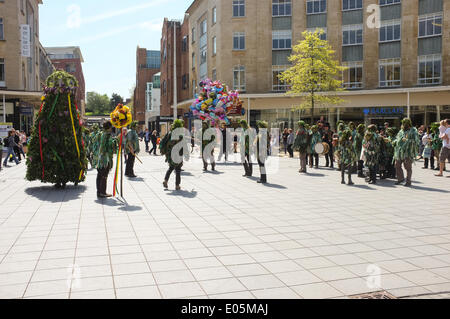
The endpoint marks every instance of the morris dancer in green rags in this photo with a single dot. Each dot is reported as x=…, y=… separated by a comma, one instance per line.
x=301, y=144
x=405, y=151
x=103, y=158
x=348, y=155
x=357, y=144
x=132, y=148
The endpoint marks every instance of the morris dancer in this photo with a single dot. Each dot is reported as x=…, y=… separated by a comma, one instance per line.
x=370, y=155
x=405, y=151
x=357, y=144
x=103, y=158
x=348, y=155
x=301, y=144
x=315, y=138
x=132, y=149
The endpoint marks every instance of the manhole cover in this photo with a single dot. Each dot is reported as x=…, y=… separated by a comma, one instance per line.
x=374, y=295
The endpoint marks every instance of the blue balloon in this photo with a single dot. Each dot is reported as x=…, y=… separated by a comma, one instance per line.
x=243, y=112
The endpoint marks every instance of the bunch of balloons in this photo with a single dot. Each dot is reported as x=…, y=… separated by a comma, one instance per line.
x=215, y=103
x=121, y=116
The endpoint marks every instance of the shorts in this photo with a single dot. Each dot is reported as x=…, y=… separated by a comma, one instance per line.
x=445, y=155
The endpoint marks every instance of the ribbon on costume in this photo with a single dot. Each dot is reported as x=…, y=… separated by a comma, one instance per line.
x=119, y=161
x=40, y=142
x=76, y=139
x=53, y=106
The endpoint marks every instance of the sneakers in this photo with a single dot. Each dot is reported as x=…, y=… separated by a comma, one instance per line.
x=166, y=186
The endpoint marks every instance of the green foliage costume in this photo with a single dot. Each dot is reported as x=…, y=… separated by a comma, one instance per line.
x=370, y=153
x=105, y=150
x=405, y=150
x=56, y=152
x=348, y=155
x=166, y=147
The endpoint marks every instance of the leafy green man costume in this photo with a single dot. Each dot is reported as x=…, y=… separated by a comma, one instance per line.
x=406, y=149
x=132, y=149
x=348, y=155
x=357, y=145
x=315, y=138
x=370, y=154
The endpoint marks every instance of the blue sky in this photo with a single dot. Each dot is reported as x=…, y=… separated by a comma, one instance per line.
x=108, y=33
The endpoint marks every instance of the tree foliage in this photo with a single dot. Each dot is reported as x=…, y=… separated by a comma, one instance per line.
x=98, y=104
x=115, y=100
x=315, y=73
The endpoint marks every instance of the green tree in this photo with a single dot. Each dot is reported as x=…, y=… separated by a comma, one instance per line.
x=315, y=73
x=115, y=100
x=98, y=104
x=56, y=152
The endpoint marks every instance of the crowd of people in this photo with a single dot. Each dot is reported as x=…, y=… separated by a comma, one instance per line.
x=15, y=144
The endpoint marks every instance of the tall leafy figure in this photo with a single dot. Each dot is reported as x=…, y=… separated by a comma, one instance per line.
x=315, y=73
x=56, y=152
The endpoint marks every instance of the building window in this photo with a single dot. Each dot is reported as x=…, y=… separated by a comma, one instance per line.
x=2, y=73
x=386, y=2
x=277, y=84
x=323, y=36
x=390, y=72
x=214, y=45
x=193, y=35
x=203, y=27
x=281, y=40
x=214, y=75
x=194, y=87
x=193, y=61
x=430, y=25
x=430, y=67
x=203, y=57
x=2, y=32
x=316, y=6
x=351, y=4
x=70, y=68
x=390, y=31
x=353, y=75
x=352, y=34
x=148, y=96
x=214, y=15
x=153, y=60
x=239, y=41
x=239, y=78
x=184, y=44
x=238, y=8
x=185, y=82
x=164, y=87
x=281, y=8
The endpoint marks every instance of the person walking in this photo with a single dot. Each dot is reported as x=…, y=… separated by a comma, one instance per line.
x=154, y=140
x=262, y=146
x=290, y=143
x=208, y=155
x=445, y=151
x=132, y=148
x=103, y=158
x=147, y=139
x=301, y=144
x=223, y=149
x=315, y=138
x=427, y=153
x=10, y=144
x=285, y=138
x=405, y=152
x=245, y=152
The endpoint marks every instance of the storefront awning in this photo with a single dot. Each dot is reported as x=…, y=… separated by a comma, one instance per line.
x=33, y=98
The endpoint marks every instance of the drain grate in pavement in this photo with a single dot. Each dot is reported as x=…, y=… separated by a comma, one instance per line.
x=374, y=295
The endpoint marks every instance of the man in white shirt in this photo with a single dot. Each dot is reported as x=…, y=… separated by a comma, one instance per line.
x=444, y=131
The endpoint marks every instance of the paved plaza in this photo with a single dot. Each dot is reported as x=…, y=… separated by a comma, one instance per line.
x=225, y=236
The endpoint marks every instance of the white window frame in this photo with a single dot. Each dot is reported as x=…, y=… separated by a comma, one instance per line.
x=240, y=4
x=390, y=63
x=203, y=56
x=384, y=28
x=425, y=18
x=350, y=66
x=214, y=15
x=429, y=58
x=349, y=2
x=239, y=35
x=214, y=45
x=241, y=85
x=203, y=27
x=388, y=2
x=353, y=28
x=325, y=30
x=280, y=35
x=279, y=86
x=282, y=3
x=3, y=81
x=320, y=6
x=2, y=29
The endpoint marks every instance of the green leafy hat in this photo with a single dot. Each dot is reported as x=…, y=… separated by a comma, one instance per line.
x=372, y=128
x=407, y=122
x=243, y=123
x=346, y=134
x=369, y=135
x=390, y=131
x=361, y=128
x=133, y=125
x=177, y=124
x=341, y=126
x=262, y=124
x=314, y=128
x=352, y=125
x=301, y=123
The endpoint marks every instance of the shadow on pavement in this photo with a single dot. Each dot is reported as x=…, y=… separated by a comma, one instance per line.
x=54, y=195
x=213, y=172
x=428, y=189
x=363, y=187
x=136, y=179
x=274, y=186
x=184, y=173
x=130, y=208
x=315, y=174
x=183, y=193
x=111, y=202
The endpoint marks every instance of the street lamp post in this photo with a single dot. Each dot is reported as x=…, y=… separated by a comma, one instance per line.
x=175, y=97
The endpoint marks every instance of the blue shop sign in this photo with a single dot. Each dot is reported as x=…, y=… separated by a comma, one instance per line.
x=26, y=110
x=380, y=111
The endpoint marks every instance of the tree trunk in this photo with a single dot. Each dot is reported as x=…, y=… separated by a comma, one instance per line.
x=312, y=108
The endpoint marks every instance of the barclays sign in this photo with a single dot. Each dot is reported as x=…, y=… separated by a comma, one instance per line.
x=380, y=111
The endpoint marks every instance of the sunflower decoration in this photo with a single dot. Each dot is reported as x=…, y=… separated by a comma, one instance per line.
x=121, y=116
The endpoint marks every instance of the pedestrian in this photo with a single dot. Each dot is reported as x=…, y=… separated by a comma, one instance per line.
x=147, y=139
x=327, y=137
x=427, y=153
x=1, y=153
x=422, y=133
x=124, y=142
x=445, y=151
x=301, y=144
x=175, y=164
x=132, y=149
x=154, y=140
x=208, y=155
x=262, y=146
x=223, y=148
x=10, y=144
x=285, y=138
x=103, y=158
x=245, y=149
x=290, y=143
x=406, y=150
x=315, y=138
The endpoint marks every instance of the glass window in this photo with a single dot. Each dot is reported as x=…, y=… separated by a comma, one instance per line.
x=239, y=78
x=390, y=72
x=239, y=41
x=2, y=72
x=351, y=4
x=203, y=56
x=214, y=15
x=238, y=8
x=277, y=84
x=193, y=35
x=316, y=6
x=204, y=27
x=352, y=76
x=352, y=34
x=2, y=32
x=430, y=67
x=282, y=40
x=430, y=25
x=323, y=36
x=214, y=75
x=281, y=8
x=214, y=43
x=390, y=31
x=386, y=2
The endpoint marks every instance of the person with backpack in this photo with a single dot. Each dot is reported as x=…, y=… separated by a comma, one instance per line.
x=10, y=144
x=166, y=147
